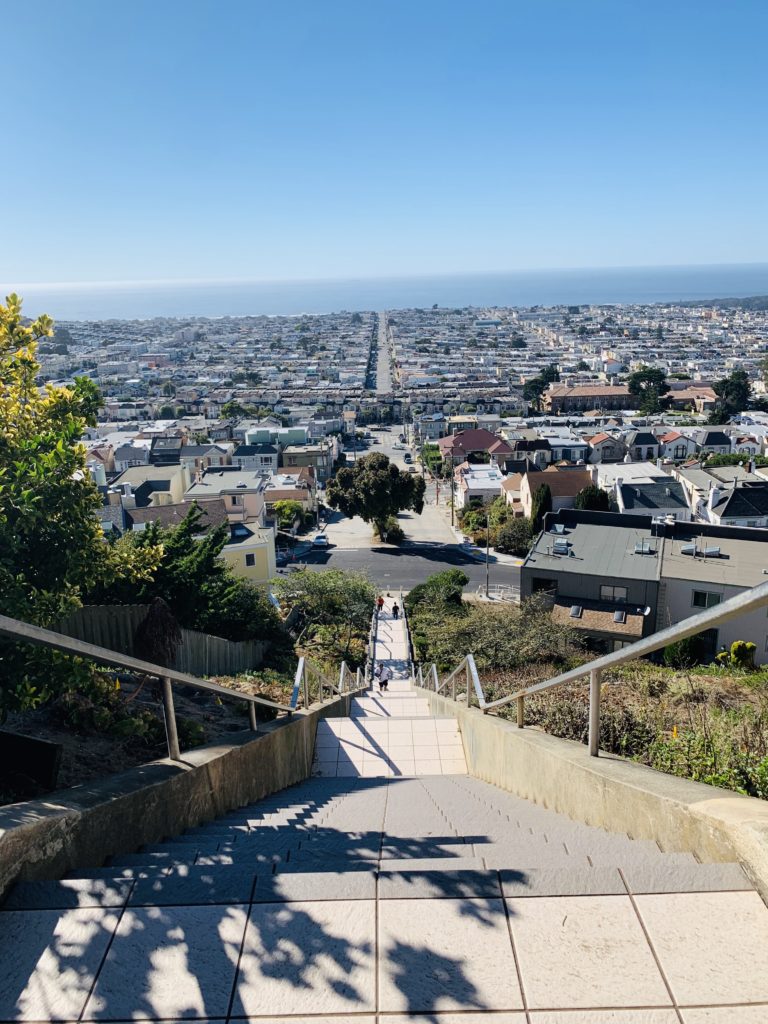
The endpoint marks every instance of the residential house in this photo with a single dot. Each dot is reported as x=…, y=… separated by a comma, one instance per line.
x=657, y=498
x=605, y=448
x=467, y=446
x=320, y=456
x=129, y=455
x=676, y=446
x=142, y=486
x=564, y=444
x=642, y=446
x=240, y=489
x=712, y=442
x=290, y=487
x=744, y=444
x=165, y=451
x=198, y=457
x=476, y=483
x=744, y=504
x=700, y=481
x=564, y=483
x=263, y=458
x=560, y=399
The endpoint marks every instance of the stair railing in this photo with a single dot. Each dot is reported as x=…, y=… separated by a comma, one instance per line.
x=25, y=632
x=741, y=604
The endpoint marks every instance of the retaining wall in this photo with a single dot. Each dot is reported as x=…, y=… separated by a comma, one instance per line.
x=612, y=793
x=82, y=826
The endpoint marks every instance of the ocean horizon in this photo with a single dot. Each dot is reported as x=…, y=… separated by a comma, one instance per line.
x=215, y=299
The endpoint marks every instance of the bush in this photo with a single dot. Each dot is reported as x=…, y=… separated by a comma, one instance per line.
x=684, y=653
x=393, y=531
x=514, y=537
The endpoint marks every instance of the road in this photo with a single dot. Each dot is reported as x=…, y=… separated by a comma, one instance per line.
x=383, y=371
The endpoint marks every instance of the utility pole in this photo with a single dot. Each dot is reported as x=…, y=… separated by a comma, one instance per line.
x=452, y=496
x=487, y=550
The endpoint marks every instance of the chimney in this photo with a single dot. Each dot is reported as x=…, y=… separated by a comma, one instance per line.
x=659, y=463
x=593, y=474
x=714, y=497
x=751, y=465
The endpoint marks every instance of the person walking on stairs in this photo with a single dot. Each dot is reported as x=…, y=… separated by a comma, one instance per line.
x=379, y=604
x=395, y=611
x=382, y=675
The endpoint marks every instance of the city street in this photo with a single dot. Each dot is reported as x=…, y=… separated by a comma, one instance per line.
x=430, y=545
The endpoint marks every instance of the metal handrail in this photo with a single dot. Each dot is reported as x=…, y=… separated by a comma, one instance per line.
x=741, y=604
x=25, y=632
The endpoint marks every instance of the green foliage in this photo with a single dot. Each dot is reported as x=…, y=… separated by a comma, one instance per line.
x=333, y=612
x=288, y=512
x=733, y=392
x=393, y=532
x=649, y=384
x=195, y=582
x=684, y=653
x=444, y=589
x=514, y=537
x=735, y=460
x=375, y=489
x=541, y=504
x=534, y=388
x=594, y=499
x=741, y=656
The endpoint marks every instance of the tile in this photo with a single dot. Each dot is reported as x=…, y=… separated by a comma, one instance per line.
x=661, y=877
x=605, y=1017
x=407, y=883
x=726, y=1015
x=316, y=885
x=49, y=959
x=169, y=962
x=428, y=767
x=190, y=886
x=461, y=1018
x=307, y=958
x=451, y=954
x=713, y=947
x=584, y=951
x=454, y=767
x=68, y=893
x=561, y=881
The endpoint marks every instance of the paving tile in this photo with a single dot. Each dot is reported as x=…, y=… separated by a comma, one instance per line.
x=428, y=767
x=713, y=947
x=190, y=886
x=407, y=883
x=452, y=954
x=68, y=893
x=316, y=885
x=662, y=877
x=461, y=1018
x=604, y=1017
x=584, y=951
x=301, y=958
x=561, y=881
x=727, y=1015
x=49, y=959
x=169, y=962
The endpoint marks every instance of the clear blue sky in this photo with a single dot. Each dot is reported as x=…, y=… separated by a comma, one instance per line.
x=181, y=139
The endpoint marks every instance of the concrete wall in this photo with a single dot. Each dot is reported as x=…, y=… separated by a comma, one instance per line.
x=612, y=793
x=82, y=826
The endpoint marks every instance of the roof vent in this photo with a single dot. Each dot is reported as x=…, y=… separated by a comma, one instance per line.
x=620, y=617
x=688, y=549
x=241, y=483
x=558, y=528
x=643, y=547
x=576, y=610
x=711, y=552
x=560, y=547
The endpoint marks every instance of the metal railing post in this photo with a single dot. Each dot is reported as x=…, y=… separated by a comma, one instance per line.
x=252, y=716
x=305, y=681
x=521, y=712
x=594, y=712
x=171, y=732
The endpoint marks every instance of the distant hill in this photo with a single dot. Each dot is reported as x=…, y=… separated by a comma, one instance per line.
x=751, y=302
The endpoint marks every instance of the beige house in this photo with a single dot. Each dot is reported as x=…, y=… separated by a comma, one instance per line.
x=241, y=491
x=564, y=484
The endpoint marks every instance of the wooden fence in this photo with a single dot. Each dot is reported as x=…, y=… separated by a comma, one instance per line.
x=114, y=627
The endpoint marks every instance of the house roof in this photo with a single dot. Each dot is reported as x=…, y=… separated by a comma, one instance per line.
x=746, y=501
x=563, y=483
x=214, y=514
x=707, y=438
x=644, y=437
x=673, y=435
x=600, y=438
x=598, y=617
x=657, y=495
x=254, y=449
x=476, y=440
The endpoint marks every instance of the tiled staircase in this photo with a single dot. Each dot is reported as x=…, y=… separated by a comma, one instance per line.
x=385, y=893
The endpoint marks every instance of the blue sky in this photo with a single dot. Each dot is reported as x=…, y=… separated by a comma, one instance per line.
x=333, y=138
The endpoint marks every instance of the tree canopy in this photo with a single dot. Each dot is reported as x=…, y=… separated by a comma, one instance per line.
x=593, y=498
x=375, y=489
x=541, y=503
x=733, y=392
x=649, y=384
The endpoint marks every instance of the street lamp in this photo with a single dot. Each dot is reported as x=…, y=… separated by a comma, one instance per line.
x=487, y=550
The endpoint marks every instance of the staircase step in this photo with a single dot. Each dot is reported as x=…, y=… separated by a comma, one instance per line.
x=192, y=885
x=419, y=883
x=68, y=893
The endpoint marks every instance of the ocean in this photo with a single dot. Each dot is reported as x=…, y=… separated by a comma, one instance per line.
x=140, y=301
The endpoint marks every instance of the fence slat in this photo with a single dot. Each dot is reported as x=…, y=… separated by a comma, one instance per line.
x=200, y=654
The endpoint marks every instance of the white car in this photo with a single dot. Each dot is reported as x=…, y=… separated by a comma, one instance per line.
x=321, y=541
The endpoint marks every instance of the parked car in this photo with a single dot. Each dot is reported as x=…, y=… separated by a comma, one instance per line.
x=321, y=541
x=407, y=458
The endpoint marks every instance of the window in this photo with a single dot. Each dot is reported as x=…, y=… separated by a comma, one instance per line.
x=680, y=451
x=611, y=593
x=236, y=499
x=705, y=599
x=250, y=559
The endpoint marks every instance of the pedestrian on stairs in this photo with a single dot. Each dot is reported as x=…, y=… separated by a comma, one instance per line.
x=383, y=674
x=379, y=604
x=395, y=611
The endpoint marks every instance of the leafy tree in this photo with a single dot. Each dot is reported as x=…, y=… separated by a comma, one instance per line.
x=593, y=498
x=51, y=545
x=735, y=459
x=167, y=412
x=195, y=582
x=333, y=610
x=541, y=503
x=534, y=388
x=288, y=512
x=518, y=343
x=375, y=489
x=356, y=318
x=233, y=410
x=443, y=589
x=649, y=384
x=515, y=537
x=582, y=365
x=733, y=392
x=169, y=389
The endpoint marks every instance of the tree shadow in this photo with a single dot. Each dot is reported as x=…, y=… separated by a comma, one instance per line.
x=221, y=928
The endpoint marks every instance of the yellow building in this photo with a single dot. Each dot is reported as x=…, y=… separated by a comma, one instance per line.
x=251, y=553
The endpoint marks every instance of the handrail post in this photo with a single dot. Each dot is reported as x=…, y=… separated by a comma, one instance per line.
x=342, y=675
x=252, y=716
x=594, y=712
x=521, y=712
x=171, y=732
x=305, y=681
